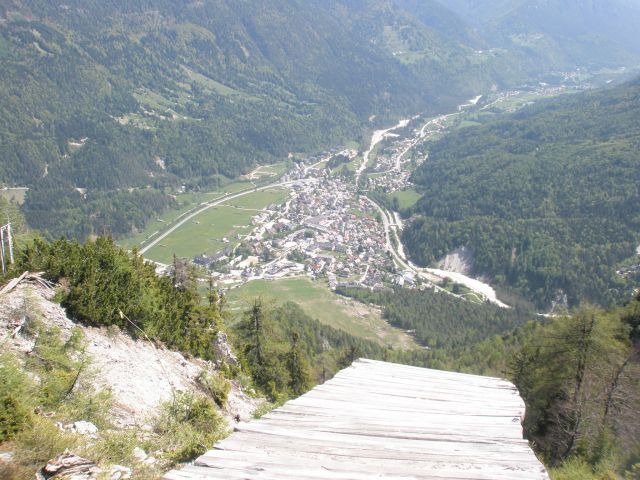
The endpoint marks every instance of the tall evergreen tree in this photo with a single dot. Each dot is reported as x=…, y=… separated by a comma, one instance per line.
x=298, y=367
x=569, y=378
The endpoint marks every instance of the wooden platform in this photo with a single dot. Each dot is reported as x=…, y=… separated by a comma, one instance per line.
x=382, y=420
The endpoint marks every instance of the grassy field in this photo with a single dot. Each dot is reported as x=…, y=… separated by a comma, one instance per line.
x=14, y=194
x=186, y=202
x=159, y=103
x=205, y=232
x=210, y=84
x=406, y=198
x=319, y=302
x=469, y=123
x=274, y=170
x=374, y=155
x=517, y=101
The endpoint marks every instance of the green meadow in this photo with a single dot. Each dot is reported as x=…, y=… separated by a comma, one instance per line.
x=205, y=233
x=318, y=301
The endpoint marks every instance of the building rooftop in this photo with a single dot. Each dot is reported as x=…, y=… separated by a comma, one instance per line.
x=382, y=420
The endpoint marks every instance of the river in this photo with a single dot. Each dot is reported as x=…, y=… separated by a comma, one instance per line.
x=376, y=138
x=483, y=289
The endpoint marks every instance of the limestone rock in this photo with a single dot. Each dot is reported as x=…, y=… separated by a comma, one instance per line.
x=83, y=428
x=223, y=350
x=118, y=472
x=139, y=454
x=6, y=457
x=69, y=466
x=139, y=374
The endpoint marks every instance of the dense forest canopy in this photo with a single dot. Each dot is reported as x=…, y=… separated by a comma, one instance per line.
x=546, y=199
x=438, y=320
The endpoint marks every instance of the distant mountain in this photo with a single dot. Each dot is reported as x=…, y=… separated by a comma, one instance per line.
x=442, y=19
x=105, y=103
x=547, y=200
x=480, y=13
x=559, y=32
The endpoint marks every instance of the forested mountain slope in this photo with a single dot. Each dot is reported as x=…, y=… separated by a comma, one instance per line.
x=122, y=99
x=546, y=199
x=559, y=32
x=441, y=18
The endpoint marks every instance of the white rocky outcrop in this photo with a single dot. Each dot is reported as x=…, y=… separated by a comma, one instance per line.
x=139, y=374
x=69, y=466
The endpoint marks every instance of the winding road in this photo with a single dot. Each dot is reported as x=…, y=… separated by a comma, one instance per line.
x=391, y=226
x=432, y=274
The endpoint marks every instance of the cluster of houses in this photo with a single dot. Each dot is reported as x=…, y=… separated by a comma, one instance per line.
x=323, y=230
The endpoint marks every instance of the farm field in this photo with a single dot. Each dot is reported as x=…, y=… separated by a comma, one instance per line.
x=206, y=232
x=186, y=202
x=262, y=171
x=406, y=198
x=14, y=194
x=317, y=300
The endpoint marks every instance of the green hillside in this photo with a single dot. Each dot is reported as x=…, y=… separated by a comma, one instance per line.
x=123, y=100
x=546, y=199
x=558, y=33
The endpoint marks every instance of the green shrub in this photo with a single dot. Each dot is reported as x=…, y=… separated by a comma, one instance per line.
x=633, y=473
x=14, y=417
x=114, y=447
x=42, y=442
x=189, y=425
x=15, y=398
x=264, y=408
x=87, y=404
x=216, y=386
x=577, y=468
x=57, y=363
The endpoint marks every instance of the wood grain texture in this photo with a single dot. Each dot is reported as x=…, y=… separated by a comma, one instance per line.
x=382, y=420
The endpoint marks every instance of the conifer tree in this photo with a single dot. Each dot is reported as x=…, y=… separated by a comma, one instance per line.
x=298, y=368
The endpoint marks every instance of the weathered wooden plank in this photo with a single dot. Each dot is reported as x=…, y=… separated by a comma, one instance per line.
x=439, y=446
x=417, y=399
x=409, y=407
x=485, y=432
x=401, y=418
x=257, y=443
x=411, y=469
x=417, y=420
x=359, y=435
x=397, y=388
x=398, y=370
x=380, y=463
x=317, y=405
x=380, y=420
